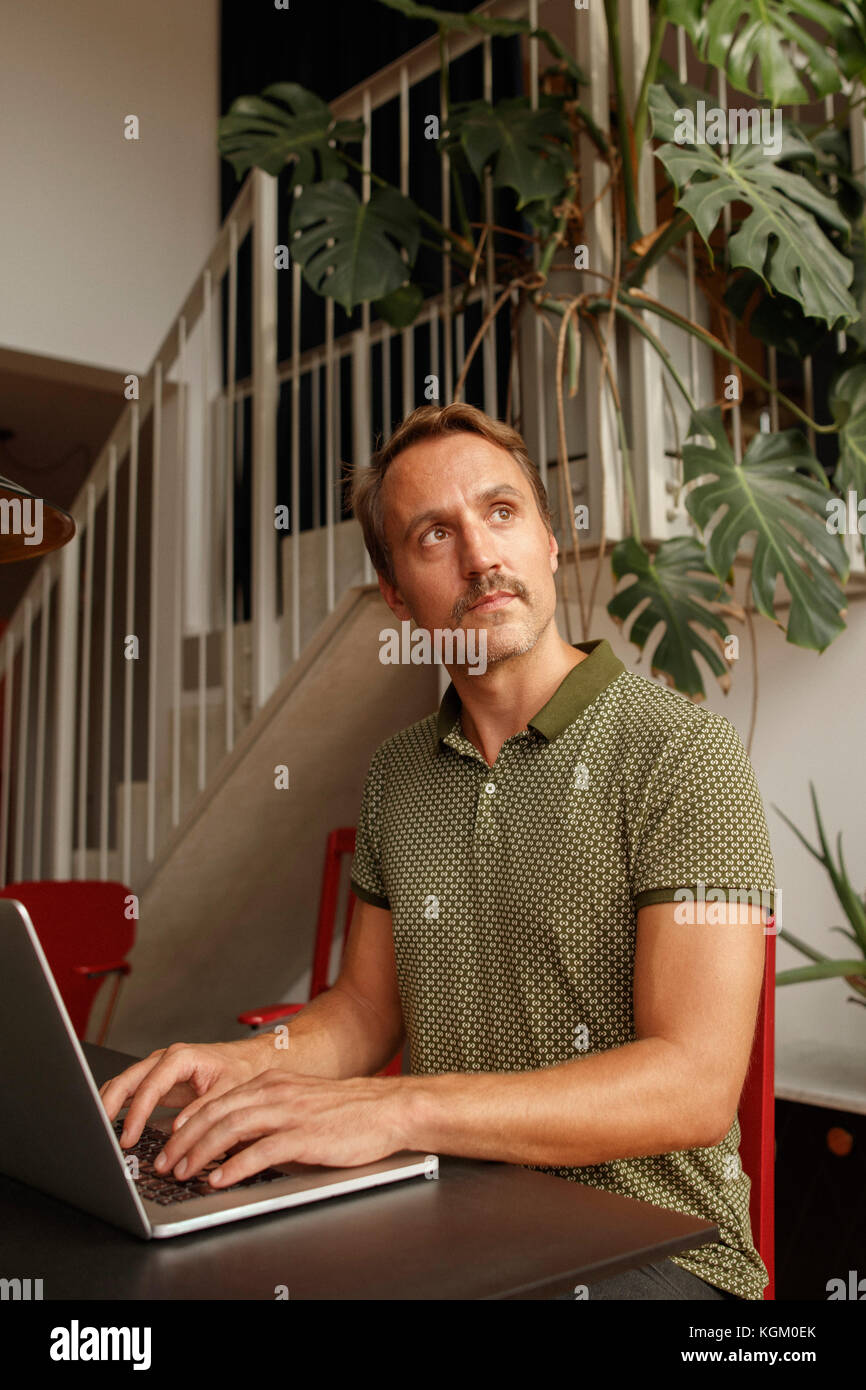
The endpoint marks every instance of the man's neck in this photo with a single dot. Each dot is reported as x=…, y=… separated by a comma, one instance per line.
x=500, y=703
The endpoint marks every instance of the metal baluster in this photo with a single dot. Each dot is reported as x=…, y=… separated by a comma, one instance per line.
x=179, y=570
x=5, y=782
x=205, y=514
x=41, y=709
x=66, y=667
x=330, y=366
x=22, y=770
x=229, y=644
x=265, y=398
x=129, y=668
x=491, y=393
x=84, y=697
x=153, y=624
x=107, y=662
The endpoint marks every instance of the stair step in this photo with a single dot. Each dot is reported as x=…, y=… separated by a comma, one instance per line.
x=349, y=555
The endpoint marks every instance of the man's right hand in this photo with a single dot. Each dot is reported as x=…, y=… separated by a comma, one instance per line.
x=184, y=1074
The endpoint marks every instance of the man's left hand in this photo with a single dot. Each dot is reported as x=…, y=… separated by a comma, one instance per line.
x=289, y=1119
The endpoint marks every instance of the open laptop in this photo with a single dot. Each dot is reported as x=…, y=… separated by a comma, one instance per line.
x=55, y=1134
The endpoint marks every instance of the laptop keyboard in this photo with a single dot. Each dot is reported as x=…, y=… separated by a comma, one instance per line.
x=168, y=1189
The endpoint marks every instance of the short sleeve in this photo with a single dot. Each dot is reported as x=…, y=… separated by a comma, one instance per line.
x=366, y=873
x=703, y=822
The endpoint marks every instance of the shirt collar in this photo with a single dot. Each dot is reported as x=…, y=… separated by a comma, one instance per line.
x=578, y=689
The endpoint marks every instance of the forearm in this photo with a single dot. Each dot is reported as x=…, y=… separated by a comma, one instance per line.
x=643, y=1098
x=336, y=1035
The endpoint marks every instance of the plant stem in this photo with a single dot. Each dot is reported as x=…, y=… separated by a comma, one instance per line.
x=597, y=136
x=660, y=348
x=626, y=455
x=679, y=227
x=550, y=248
x=652, y=62
x=633, y=231
x=646, y=301
x=620, y=420
x=461, y=206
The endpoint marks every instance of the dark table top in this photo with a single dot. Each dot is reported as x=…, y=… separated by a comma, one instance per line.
x=482, y=1231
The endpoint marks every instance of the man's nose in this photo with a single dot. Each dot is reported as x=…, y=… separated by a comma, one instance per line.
x=477, y=550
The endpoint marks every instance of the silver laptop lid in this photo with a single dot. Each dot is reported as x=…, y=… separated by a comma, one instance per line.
x=54, y=1134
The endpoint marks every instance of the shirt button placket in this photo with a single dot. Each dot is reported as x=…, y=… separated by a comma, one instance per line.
x=488, y=800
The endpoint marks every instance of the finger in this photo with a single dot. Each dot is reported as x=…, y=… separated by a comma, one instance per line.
x=195, y=1106
x=269, y=1149
x=184, y=1138
x=206, y=1110
x=214, y=1135
x=158, y=1083
x=116, y=1091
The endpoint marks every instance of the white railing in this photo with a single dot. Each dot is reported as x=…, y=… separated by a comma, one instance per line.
x=176, y=535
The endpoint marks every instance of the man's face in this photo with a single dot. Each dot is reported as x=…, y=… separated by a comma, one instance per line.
x=461, y=522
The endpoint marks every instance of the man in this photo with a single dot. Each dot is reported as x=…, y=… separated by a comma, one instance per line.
x=525, y=860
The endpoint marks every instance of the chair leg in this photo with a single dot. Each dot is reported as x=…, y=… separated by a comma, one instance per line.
x=100, y=1041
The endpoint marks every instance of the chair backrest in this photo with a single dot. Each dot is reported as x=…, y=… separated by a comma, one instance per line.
x=757, y=1119
x=340, y=842
x=84, y=930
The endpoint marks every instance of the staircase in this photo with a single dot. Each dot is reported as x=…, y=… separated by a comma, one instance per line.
x=230, y=904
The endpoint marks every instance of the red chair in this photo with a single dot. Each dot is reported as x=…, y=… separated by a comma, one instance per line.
x=340, y=842
x=85, y=932
x=757, y=1117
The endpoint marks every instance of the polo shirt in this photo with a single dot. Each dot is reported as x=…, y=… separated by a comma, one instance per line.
x=514, y=892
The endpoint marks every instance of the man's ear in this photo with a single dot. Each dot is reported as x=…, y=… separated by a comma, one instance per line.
x=554, y=553
x=392, y=597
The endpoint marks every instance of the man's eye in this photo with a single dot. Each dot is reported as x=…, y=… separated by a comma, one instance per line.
x=503, y=507
x=429, y=533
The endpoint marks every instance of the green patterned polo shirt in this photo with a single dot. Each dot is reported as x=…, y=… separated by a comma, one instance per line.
x=514, y=892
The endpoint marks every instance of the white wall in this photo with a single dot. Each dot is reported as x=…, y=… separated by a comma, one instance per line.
x=101, y=237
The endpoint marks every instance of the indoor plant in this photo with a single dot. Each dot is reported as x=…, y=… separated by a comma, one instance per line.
x=793, y=271
x=854, y=906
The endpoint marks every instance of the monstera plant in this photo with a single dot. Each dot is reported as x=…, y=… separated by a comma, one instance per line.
x=779, y=245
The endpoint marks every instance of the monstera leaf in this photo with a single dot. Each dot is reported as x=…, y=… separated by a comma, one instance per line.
x=857, y=330
x=402, y=306
x=733, y=35
x=776, y=319
x=679, y=588
x=786, y=511
x=848, y=404
x=540, y=215
x=350, y=250
x=529, y=151
x=267, y=135
x=780, y=240
x=447, y=21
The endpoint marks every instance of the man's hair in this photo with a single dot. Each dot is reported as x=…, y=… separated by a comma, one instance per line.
x=430, y=422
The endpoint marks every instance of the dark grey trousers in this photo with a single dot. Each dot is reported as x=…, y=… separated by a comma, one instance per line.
x=663, y=1279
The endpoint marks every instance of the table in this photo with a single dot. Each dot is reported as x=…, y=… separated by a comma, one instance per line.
x=482, y=1231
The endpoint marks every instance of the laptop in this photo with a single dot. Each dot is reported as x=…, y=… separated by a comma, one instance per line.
x=55, y=1134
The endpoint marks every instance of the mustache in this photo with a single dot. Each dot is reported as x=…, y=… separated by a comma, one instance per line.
x=513, y=586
